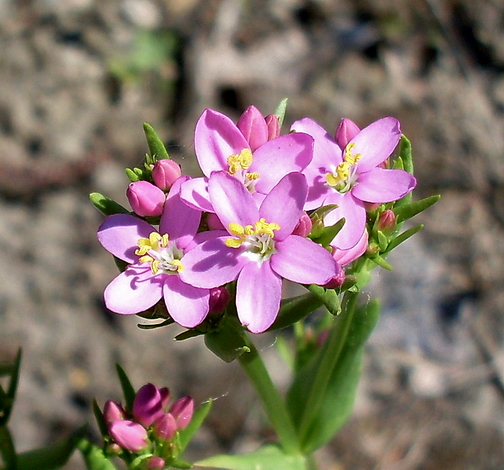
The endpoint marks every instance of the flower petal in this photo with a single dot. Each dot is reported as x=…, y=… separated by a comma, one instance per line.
x=345, y=257
x=133, y=291
x=284, y=204
x=380, y=185
x=187, y=305
x=212, y=264
x=178, y=220
x=231, y=200
x=215, y=139
x=119, y=234
x=258, y=294
x=253, y=126
x=194, y=193
x=301, y=260
x=376, y=142
x=278, y=157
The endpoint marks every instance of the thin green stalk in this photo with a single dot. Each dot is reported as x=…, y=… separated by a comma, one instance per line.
x=271, y=399
x=335, y=344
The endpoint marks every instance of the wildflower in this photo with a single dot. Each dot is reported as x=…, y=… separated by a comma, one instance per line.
x=156, y=463
x=165, y=173
x=129, y=435
x=149, y=403
x=156, y=259
x=112, y=411
x=257, y=248
x=351, y=175
x=145, y=199
x=254, y=160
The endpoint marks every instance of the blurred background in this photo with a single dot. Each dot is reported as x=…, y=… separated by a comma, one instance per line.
x=77, y=80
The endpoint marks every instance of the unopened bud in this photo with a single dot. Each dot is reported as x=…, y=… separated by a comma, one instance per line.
x=182, y=410
x=337, y=281
x=219, y=298
x=304, y=226
x=156, y=463
x=273, y=126
x=346, y=131
x=145, y=199
x=112, y=411
x=387, y=221
x=165, y=173
x=165, y=427
x=253, y=127
x=129, y=435
x=148, y=404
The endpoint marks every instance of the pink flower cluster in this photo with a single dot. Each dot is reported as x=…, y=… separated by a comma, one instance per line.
x=253, y=200
x=151, y=421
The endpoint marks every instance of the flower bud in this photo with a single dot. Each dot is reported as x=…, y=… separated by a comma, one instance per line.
x=165, y=173
x=346, y=131
x=148, y=404
x=273, y=126
x=145, y=199
x=182, y=411
x=336, y=281
x=253, y=126
x=304, y=226
x=165, y=427
x=156, y=463
x=129, y=435
x=219, y=298
x=387, y=221
x=112, y=411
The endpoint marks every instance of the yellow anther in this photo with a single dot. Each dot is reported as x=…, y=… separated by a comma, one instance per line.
x=155, y=266
x=236, y=229
x=239, y=162
x=349, y=157
x=252, y=176
x=234, y=242
x=146, y=259
x=178, y=264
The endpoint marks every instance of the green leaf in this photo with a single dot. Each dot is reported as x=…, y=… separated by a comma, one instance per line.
x=338, y=400
x=380, y=261
x=94, y=457
x=294, y=309
x=132, y=175
x=406, y=154
x=280, y=111
x=268, y=457
x=402, y=237
x=407, y=211
x=329, y=298
x=106, y=205
x=328, y=233
x=197, y=419
x=100, y=420
x=156, y=146
x=127, y=388
x=51, y=457
x=227, y=342
x=7, y=449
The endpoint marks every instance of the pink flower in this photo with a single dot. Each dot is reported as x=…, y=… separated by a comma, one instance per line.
x=258, y=248
x=254, y=160
x=351, y=176
x=129, y=435
x=182, y=410
x=149, y=404
x=165, y=173
x=165, y=427
x=156, y=260
x=145, y=199
x=156, y=463
x=112, y=411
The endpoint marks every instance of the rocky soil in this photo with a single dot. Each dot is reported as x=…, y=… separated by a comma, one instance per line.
x=78, y=79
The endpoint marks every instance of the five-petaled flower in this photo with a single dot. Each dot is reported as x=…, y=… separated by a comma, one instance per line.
x=156, y=260
x=351, y=175
x=258, y=248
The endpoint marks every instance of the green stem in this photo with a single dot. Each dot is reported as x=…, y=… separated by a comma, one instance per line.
x=271, y=399
x=332, y=353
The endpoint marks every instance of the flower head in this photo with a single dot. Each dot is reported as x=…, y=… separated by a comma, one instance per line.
x=351, y=175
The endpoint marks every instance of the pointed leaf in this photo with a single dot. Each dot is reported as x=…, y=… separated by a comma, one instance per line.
x=294, y=309
x=106, y=205
x=156, y=146
x=199, y=415
x=329, y=298
x=380, y=261
x=127, y=388
x=280, y=110
x=402, y=237
x=407, y=211
x=100, y=420
x=406, y=154
x=328, y=233
x=269, y=457
x=94, y=457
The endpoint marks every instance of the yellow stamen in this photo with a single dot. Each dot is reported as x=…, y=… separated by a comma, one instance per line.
x=178, y=264
x=261, y=227
x=239, y=162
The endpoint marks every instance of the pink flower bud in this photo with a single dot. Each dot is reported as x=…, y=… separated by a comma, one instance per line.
x=112, y=411
x=371, y=206
x=304, y=226
x=387, y=221
x=165, y=173
x=346, y=131
x=165, y=397
x=336, y=281
x=165, y=427
x=129, y=435
x=182, y=411
x=219, y=298
x=148, y=404
x=156, y=463
x=253, y=126
x=145, y=199
x=273, y=126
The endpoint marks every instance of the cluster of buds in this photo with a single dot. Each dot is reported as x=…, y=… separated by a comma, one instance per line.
x=150, y=429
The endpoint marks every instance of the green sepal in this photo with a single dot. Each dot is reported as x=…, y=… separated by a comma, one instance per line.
x=106, y=205
x=402, y=237
x=398, y=164
x=156, y=147
x=382, y=240
x=280, y=110
x=132, y=175
x=127, y=389
x=51, y=457
x=294, y=309
x=380, y=261
x=406, y=154
x=94, y=457
x=337, y=403
x=327, y=234
x=199, y=415
x=228, y=341
x=269, y=457
x=329, y=298
x=407, y=211
x=317, y=218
